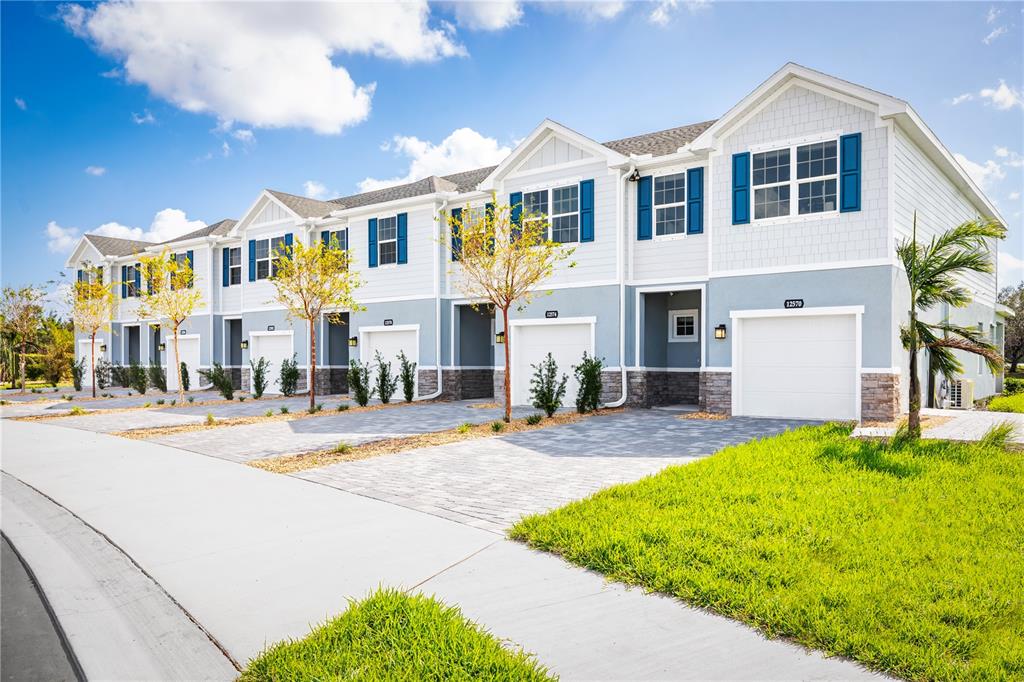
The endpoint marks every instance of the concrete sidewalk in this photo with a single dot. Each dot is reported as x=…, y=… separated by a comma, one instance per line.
x=257, y=557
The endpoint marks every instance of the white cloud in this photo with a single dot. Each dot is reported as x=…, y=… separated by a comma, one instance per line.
x=960, y=99
x=465, y=149
x=487, y=16
x=112, y=73
x=1011, y=269
x=20, y=103
x=992, y=15
x=662, y=14
x=167, y=224
x=995, y=33
x=314, y=189
x=982, y=173
x=273, y=66
x=1014, y=196
x=225, y=149
x=60, y=239
x=1002, y=152
x=596, y=10
x=1010, y=157
x=145, y=117
x=1003, y=97
x=95, y=171
x=243, y=135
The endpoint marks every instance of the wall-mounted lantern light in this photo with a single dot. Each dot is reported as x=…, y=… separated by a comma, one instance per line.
x=103, y=348
x=244, y=345
x=499, y=337
x=270, y=327
x=182, y=332
x=353, y=341
x=161, y=346
x=720, y=332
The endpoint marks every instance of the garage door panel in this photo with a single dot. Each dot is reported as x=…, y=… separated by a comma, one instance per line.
x=798, y=366
x=275, y=349
x=188, y=352
x=389, y=344
x=530, y=345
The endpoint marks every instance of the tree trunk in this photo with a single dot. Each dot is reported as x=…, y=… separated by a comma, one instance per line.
x=92, y=360
x=177, y=364
x=21, y=365
x=508, y=367
x=914, y=418
x=311, y=380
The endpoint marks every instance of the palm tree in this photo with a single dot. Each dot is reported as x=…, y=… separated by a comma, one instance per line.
x=933, y=272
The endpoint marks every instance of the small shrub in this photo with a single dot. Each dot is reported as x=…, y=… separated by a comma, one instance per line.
x=220, y=379
x=184, y=376
x=386, y=383
x=191, y=398
x=68, y=398
x=77, y=410
x=289, y=380
x=464, y=427
x=588, y=374
x=999, y=435
x=5, y=402
x=546, y=389
x=343, y=407
x=359, y=382
x=157, y=377
x=77, y=372
x=284, y=409
x=268, y=413
x=342, y=448
x=241, y=398
x=497, y=427
x=316, y=408
x=534, y=419
x=104, y=371
x=259, y=376
x=209, y=419
x=119, y=375
x=1013, y=385
x=407, y=375
x=174, y=402
x=1007, y=403
x=161, y=401
x=147, y=404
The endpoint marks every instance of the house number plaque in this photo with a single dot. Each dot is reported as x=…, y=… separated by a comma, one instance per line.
x=794, y=303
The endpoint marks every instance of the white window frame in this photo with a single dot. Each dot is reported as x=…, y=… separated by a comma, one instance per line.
x=686, y=338
x=331, y=234
x=550, y=216
x=382, y=242
x=655, y=206
x=793, y=182
x=232, y=268
x=270, y=255
x=134, y=292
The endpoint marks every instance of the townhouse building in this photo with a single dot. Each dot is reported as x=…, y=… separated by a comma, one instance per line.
x=745, y=264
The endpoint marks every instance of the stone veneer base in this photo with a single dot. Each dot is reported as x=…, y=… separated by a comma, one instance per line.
x=715, y=392
x=879, y=397
x=649, y=388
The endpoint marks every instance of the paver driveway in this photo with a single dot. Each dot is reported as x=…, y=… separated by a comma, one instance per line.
x=258, y=441
x=491, y=483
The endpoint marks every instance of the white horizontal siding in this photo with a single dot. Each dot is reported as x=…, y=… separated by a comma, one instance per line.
x=412, y=279
x=667, y=258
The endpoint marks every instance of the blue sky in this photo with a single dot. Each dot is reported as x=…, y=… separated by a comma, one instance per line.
x=145, y=119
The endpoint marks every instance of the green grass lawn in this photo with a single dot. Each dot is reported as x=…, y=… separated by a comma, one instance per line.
x=1007, y=403
x=390, y=635
x=910, y=559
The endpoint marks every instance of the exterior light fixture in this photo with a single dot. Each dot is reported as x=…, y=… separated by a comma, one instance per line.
x=161, y=346
x=634, y=176
x=270, y=327
x=353, y=341
x=499, y=337
x=244, y=345
x=103, y=348
x=720, y=332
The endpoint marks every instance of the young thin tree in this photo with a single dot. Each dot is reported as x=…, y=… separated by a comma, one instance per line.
x=168, y=295
x=503, y=256
x=21, y=312
x=311, y=281
x=58, y=348
x=92, y=308
x=933, y=272
x=1013, y=340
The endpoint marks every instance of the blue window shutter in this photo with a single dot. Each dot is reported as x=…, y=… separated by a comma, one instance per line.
x=191, y=256
x=587, y=211
x=373, y=242
x=644, y=202
x=695, y=201
x=403, y=238
x=124, y=281
x=325, y=237
x=225, y=257
x=741, y=188
x=138, y=278
x=79, y=275
x=288, y=244
x=252, y=260
x=515, y=200
x=456, y=236
x=849, y=173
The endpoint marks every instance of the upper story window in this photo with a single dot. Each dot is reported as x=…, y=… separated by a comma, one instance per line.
x=268, y=251
x=815, y=180
x=235, y=265
x=563, y=219
x=387, y=240
x=131, y=273
x=340, y=236
x=670, y=204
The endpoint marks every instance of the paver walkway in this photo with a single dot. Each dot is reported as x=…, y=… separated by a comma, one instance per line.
x=257, y=557
x=962, y=425
x=257, y=441
x=490, y=483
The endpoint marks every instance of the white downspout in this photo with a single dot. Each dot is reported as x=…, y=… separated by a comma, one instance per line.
x=620, y=201
x=437, y=301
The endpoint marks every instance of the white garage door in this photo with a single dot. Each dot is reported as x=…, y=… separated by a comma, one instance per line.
x=85, y=351
x=531, y=343
x=389, y=343
x=275, y=347
x=188, y=349
x=802, y=367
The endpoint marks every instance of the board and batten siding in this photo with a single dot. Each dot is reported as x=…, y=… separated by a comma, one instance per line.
x=833, y=238
x=920, y=186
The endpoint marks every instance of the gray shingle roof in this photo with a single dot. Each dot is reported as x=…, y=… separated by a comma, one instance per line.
x=661, y=142
x=114, y=246
x=304, y=206
x=216, y=230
